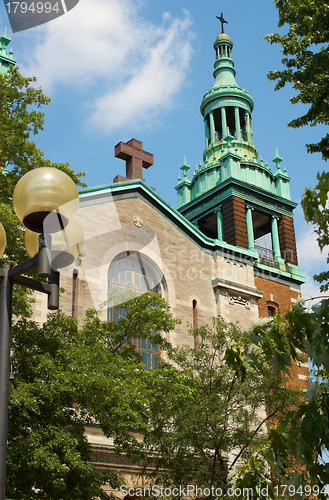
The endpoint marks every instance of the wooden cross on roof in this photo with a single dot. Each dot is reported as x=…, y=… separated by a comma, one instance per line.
x=136, y=159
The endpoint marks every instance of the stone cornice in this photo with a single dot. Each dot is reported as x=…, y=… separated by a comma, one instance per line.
x=237, y=287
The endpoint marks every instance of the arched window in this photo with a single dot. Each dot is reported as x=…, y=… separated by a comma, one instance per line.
x=270, y=311
x=134, y=272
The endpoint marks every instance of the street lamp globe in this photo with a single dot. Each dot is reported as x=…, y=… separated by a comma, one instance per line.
x=45, y=192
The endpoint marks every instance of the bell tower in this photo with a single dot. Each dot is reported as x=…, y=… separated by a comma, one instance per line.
x=234, y=197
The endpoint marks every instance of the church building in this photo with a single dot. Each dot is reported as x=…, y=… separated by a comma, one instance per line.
x=228, y=249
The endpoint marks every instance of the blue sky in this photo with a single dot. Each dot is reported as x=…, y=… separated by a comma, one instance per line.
x=117, y=69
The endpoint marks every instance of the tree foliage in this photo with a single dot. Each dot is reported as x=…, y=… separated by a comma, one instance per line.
x=306, y=57
x=316, y=211
x=298, y=441
x=66, y=378
x=210, y=411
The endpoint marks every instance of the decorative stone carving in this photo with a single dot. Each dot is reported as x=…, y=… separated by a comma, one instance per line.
x=138, y=221
x=239, y=299
x=235, y=263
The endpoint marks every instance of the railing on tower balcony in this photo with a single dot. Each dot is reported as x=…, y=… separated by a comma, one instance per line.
x=218, y=136
x=265, y=253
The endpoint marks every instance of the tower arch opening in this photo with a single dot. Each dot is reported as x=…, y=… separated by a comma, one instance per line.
x=263, y=234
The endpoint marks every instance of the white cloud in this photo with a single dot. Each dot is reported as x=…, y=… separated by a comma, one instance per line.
x=310, y=257
x=151, y=89
x=129, y=69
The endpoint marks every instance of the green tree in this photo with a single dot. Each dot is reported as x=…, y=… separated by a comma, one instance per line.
x=66, y=378
x=210, y=423
x=306, y=57
x=20, y=119
x=298, y=441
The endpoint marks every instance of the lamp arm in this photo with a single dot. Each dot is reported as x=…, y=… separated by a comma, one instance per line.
x=24, y=267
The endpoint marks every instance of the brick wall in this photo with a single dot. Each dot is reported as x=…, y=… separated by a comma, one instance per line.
x=234, y=222
x=275, y=294
x=280, y=297
x=288, y=240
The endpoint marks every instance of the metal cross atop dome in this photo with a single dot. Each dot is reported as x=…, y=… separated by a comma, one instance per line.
x=222, y=20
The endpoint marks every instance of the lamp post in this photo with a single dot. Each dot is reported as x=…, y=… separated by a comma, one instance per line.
x=45, y=200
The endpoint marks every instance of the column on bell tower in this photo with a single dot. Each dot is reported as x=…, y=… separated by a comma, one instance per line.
x=237, y=122
x=224, y=122
x=212, y=127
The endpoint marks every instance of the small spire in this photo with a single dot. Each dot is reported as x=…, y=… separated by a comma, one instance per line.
x=200, y=165
x=4, y=39
x=185, y=167
x=229, y=138
x=277, y=160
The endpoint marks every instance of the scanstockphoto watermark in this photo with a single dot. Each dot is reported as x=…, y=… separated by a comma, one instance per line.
x=194, y=491
x=191, y=490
